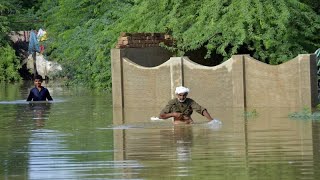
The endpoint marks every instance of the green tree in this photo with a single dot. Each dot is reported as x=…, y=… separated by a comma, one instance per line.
x=14, y=15
x=9, y=65
x=314, y=4
x=271, y=31
x=77, y=39
x=82, y=32
x=17, y=15
x=4, y=29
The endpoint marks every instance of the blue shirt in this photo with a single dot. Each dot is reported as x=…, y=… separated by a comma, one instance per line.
x=41, y=95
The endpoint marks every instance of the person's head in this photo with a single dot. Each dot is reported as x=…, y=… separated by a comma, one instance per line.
x=37, y=80
x=182, y=93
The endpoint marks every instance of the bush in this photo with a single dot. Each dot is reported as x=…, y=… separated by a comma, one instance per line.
x=9, y=64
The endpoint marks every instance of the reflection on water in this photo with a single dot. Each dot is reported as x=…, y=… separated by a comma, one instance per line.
x=44, y=148
x=181, y=137
x=56, y=140
x=40, y=112
x=269, y=146
x=78, y=137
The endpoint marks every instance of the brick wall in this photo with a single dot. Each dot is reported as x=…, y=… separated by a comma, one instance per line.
x=141, y=40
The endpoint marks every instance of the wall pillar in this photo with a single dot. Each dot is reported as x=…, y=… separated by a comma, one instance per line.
x=117, y=84
x=238, y=81
x=176, y=74
x=308, y=90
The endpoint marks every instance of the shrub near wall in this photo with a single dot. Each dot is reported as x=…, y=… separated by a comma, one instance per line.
x=9, y=64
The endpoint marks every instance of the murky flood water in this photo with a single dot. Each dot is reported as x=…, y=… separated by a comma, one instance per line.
x=75, y=138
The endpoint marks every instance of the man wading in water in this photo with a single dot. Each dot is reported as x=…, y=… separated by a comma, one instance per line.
x=181, y=108
x=39, y=93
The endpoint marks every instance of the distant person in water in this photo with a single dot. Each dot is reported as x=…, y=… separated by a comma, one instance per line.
x=181, y=108
x=39, y=93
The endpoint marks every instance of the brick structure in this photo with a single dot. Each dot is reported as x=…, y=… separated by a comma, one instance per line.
x=141, y=40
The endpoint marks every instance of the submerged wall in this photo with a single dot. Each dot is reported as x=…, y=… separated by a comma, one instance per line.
x=240, y=82
x=144, y=79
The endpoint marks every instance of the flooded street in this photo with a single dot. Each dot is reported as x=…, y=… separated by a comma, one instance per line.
x=75, y=137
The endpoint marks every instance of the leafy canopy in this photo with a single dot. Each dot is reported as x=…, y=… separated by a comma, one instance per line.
x=77, y=38
x=82, y=32
x=271, y=31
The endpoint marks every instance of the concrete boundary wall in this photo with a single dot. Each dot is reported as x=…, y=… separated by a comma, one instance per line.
x=239, y=82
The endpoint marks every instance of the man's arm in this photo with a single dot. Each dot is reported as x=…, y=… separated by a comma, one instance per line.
x=30, y=96
x=49, y=96
x=201, y=110
x=206, y=114
x=175, y=115
x=166, y=111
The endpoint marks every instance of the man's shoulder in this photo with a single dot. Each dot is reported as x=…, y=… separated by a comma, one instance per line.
x=172, y=101
x=32, y=89
x=189, y=100
x=44, y=88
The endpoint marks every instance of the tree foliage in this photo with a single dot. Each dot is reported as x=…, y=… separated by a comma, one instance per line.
x=271, y=31
x=82, y=32
x=14, y=15
x=314, y=4
x=8, y=60
x=77, y=39
x=4, y=29
x=9, y=65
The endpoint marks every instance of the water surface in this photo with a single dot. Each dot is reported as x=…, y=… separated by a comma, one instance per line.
x=76, y=137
